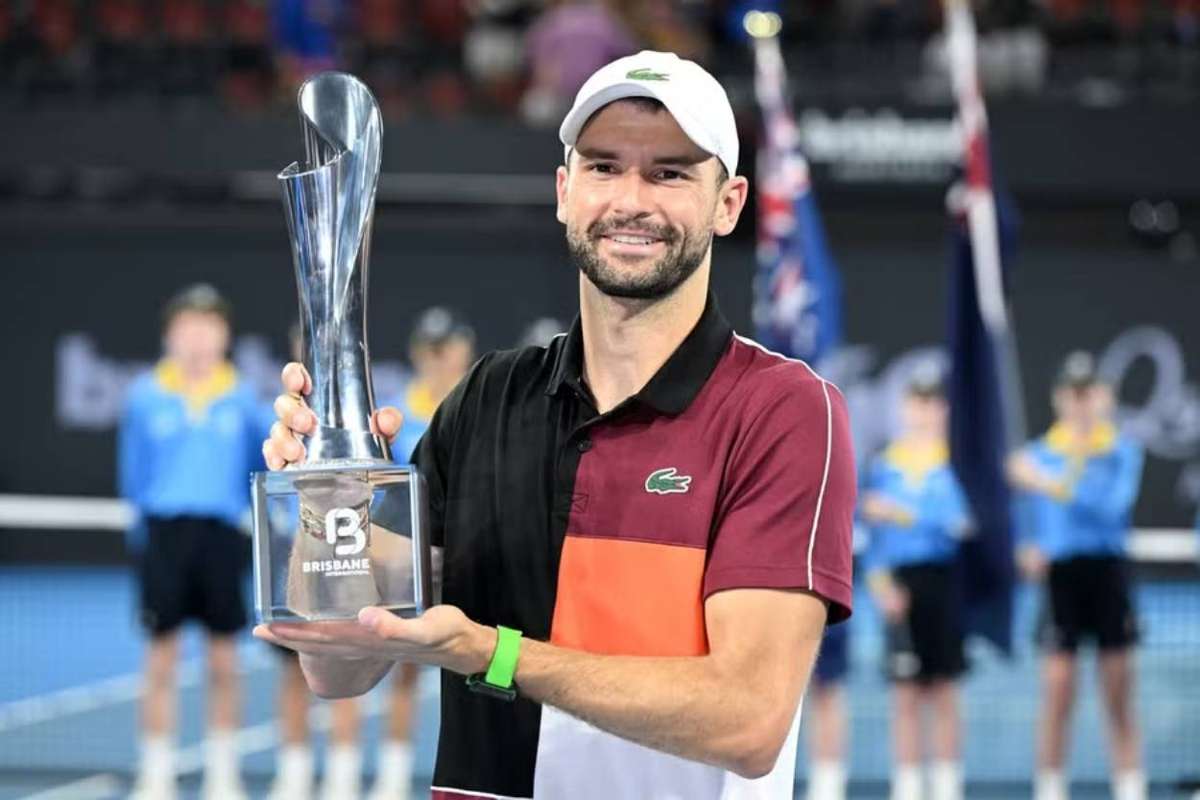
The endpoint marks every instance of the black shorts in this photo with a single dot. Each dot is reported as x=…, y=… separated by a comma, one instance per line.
x=193, y=568
x=833, y=659
x=927, y=645
x=1087, y=598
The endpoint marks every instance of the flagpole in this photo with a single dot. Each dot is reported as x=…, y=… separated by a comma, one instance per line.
x=980, y=206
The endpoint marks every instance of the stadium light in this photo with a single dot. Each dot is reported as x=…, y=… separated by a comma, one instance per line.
x=762, y=24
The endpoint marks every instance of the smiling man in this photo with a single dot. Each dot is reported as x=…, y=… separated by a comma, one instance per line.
x=646, y=524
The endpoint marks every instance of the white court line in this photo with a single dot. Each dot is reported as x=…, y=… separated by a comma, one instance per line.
x=64, y=512
x=58, y=513
x=110, y=692
x=92, y=788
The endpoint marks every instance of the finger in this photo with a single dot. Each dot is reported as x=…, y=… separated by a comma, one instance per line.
x=264, y=633
x=296, y=379
x=292, y=411
x=274, y=461
x=386, y=422
x=327, y=631
x=287, y=446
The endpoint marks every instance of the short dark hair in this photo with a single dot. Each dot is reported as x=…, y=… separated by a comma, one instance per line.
x=653, y=106
x=200, y=297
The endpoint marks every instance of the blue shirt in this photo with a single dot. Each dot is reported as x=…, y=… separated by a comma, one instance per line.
x=1101, y=481
x=190, y=455
x=921, y=481
x=418, y=407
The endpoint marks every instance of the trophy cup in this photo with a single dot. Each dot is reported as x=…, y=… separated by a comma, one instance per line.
x=346, y=528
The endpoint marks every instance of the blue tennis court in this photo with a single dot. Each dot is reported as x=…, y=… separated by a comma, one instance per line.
x=68, y=715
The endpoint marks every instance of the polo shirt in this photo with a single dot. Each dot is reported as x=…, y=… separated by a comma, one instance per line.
x=605, y=533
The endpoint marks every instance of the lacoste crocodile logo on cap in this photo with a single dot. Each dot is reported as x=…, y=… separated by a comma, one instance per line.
x=646, y=74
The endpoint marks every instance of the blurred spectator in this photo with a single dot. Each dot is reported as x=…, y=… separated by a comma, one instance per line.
x=123, y=61
x=441, y=348
x=188, y=52
x=539, y=332
x=494, y=50
x=52, y=57
x=668, y=25
x=7, y=39
x=384, y=36
x=568, y=43
x=305, y=33
x=443, y=27
x=249, y=71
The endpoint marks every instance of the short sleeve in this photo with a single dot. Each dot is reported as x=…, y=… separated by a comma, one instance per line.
x=786, y=517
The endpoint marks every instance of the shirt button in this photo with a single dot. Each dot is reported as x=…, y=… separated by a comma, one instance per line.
x=584, y=445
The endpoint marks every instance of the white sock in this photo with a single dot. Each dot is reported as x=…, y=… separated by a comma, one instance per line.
x=157, y=760
x=1050, y=784
x=946, y=780
x=221, y=759
x=1129, y=785
x=906, y=782
x=395, y=765
x=827, y=781
x=294, y=767
x=343, y=772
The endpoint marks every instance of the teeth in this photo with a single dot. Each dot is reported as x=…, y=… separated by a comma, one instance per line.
x=632, y=239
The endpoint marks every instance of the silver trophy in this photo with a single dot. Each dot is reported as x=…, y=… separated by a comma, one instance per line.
x=345, y=529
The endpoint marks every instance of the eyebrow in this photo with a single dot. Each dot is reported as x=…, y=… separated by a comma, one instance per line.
x=680, y=159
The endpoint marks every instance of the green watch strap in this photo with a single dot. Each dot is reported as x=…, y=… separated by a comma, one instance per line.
x=503, y=666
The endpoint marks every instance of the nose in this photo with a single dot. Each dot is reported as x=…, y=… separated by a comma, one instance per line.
x=631, y=197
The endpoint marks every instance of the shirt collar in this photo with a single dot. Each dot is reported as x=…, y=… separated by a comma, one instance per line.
x=677, y=381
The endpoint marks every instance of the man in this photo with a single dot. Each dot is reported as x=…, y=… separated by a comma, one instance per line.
x=441, y=350
x=916, y=515
x=1079, y=484
x=664, y=509
x=187, y=445
x=295, y=766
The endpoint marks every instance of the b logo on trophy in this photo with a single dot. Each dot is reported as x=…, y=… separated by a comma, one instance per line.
x=346, y=528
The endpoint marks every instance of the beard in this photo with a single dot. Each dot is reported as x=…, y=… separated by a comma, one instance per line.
x=684, y=255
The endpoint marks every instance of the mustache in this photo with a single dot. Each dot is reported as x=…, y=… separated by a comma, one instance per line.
x=632, y=225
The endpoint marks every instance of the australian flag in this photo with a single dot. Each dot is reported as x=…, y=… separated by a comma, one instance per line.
x=797, y=290
x=984, y=389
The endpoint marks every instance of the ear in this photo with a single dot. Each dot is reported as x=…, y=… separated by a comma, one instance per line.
x=561, y=176
x=731, y=199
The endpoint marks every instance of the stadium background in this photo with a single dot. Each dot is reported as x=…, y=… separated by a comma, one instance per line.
x=140, y=141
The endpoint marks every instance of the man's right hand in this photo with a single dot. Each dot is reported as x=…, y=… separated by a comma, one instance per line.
x=294, y=417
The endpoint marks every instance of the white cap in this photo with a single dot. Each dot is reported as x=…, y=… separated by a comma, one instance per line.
x=693, y=96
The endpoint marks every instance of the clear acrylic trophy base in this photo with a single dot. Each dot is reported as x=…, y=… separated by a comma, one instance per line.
x=330, y=540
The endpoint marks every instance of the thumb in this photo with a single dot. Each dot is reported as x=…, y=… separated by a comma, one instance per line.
x=386, y=422
x=380, y=621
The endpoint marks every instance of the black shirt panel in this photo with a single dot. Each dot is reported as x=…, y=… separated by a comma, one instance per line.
x=503, y=489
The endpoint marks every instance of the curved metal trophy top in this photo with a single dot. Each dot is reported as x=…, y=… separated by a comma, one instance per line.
x=330, y=202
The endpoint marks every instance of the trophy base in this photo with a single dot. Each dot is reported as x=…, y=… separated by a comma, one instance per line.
x=284, y=614
x=331, y=540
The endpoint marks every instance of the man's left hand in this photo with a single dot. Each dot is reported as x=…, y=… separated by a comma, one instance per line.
x=442, y=637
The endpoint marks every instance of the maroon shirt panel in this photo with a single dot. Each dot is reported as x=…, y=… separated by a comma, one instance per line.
x=753, y=445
